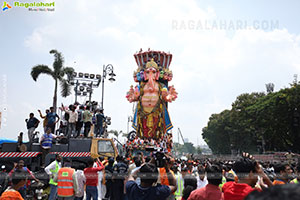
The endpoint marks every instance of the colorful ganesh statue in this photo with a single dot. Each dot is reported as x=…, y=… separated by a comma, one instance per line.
x=151, y=119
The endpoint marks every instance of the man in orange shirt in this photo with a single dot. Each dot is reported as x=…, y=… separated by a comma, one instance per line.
x=165, y=173
x=283, y=173
x=19, y=179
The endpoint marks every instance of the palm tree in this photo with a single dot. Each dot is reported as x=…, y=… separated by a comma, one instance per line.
x=116, y=133
x=57, y=73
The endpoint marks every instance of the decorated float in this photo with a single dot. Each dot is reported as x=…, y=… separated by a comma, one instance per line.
x=152, y=95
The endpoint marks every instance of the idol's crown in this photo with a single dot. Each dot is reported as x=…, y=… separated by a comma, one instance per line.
x=162, y=59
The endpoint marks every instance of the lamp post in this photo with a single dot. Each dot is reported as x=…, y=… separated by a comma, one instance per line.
x=108, y=69
x=76, y=90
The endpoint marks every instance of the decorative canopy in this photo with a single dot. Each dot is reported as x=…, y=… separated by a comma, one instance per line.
x=162, y=59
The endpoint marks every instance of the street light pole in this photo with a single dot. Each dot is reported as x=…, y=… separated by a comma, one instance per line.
x=76, y=90
x=107, y=69
x=129, y=120
x=103, y=77
x=91, y=91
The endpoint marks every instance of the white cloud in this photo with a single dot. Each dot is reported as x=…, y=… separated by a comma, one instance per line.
x=40, y=39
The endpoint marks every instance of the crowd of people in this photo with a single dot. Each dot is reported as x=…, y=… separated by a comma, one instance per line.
x=153, y=177
x=76, y=121
x=158, y=175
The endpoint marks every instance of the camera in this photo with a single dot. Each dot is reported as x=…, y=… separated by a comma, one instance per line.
x=159, y=156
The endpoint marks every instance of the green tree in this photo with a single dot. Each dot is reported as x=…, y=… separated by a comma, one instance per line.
x=217, y=133
x=57, y=73
x=198, y=150
x=241, y=127
x=257, y=122
x=189, y=147
x=116, y=133
x=232, y=130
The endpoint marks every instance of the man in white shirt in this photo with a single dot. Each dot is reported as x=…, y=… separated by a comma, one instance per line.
x=52, y=170
x=201, y=178
x=100, y=187
x=73, y=117
x=81, y=180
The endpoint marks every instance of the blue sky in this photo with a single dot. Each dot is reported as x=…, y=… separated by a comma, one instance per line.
x=211, y=67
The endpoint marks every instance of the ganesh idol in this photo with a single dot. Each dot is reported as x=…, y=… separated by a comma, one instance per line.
x=152, y=94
